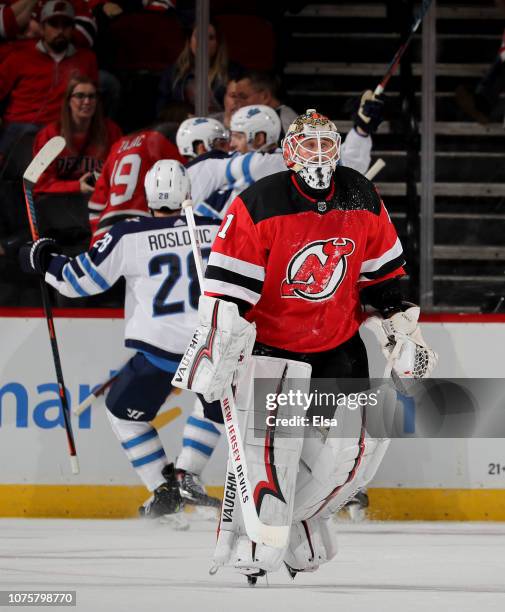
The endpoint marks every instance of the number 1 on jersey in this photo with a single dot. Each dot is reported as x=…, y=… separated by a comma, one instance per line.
x=226, y=226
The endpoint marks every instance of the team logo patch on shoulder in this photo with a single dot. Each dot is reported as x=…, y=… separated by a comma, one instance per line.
x=316, y=271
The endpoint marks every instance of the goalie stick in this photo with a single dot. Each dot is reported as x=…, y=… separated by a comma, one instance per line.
x=257, y=531
x=38, y=165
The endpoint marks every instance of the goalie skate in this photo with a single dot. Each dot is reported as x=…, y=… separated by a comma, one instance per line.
x=356, y=506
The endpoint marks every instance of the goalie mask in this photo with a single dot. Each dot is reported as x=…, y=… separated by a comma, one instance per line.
x=199, y=129
x=311, y=148
x=167, y=185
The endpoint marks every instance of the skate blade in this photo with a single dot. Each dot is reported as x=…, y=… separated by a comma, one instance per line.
x=204, y=501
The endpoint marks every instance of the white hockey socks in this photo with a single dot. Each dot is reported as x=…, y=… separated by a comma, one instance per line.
x=199, y=439
x=143, y=447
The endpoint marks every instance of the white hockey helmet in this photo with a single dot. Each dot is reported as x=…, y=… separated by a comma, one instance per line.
x=199, y=129
x=311, y=147
x=256, y=118
x=167, y=185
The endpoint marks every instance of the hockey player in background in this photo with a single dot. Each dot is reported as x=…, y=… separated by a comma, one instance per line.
x=153, y=254
x=119, y=190
x=297, y=257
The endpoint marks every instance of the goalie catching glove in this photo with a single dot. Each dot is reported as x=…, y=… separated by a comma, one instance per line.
x=220, y=344
x=401, y=340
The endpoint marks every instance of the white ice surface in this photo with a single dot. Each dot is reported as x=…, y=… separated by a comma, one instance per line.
x=146, y=567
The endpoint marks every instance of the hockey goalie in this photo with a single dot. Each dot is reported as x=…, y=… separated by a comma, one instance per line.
x=297, y=258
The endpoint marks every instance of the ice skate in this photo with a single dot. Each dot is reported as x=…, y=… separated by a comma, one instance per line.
x=166, y=502
x=356, y=506
x=193, y=492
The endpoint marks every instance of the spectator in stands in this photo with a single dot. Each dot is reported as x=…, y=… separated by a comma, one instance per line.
x=178, y=81
x=15, y=16
x=263, y=88
x=89, y=137
x=230, y=104
x=34, y=78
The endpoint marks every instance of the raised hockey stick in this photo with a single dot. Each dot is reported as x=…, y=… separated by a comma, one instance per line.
x=40, y=162
x=374, y=170
x=391, y=69
x=269, y=535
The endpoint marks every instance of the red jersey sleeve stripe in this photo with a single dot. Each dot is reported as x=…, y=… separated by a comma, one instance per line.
x=237, y=265
x=218, y=287
x=388, y=261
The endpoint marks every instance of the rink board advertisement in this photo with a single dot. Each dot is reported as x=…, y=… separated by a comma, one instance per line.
x=419, y=478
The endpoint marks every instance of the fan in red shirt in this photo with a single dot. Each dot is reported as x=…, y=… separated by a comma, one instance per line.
x=89, y=138
x=34, y=77
x=14, y=17
x=119, y=192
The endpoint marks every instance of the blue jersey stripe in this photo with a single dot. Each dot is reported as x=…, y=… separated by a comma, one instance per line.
x=148, y=458
x=229, y=175
x=149, y=435
x=203, y=425
x=70, y=277
x=167, y=365
x=93, y=273
x=246, y=168
x=205, y=210
x=203, y=448
x=76, y=268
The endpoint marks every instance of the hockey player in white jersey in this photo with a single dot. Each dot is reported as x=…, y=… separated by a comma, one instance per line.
x=154, y=256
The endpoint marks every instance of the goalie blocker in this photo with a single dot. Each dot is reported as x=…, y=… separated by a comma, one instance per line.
x=222, y=342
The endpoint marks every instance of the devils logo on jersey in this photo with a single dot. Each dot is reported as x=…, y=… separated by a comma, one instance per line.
x=316, y=271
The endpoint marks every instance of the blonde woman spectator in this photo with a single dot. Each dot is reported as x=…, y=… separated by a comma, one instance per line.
x=178, y=81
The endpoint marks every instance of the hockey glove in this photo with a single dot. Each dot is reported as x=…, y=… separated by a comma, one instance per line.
x=370, y=112
x=221, y=343
x=401, y=340
x=34, y=257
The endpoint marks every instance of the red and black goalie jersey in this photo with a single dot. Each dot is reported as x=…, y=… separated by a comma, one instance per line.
x=301, y=262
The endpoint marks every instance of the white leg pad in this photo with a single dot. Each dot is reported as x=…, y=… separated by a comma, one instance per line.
x=333, y=469
x=311, y=543
x=272, y=460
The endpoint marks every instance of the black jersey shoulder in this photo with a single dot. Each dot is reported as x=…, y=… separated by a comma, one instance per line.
x=280, y=194
x=353, y=191
x=269, y=197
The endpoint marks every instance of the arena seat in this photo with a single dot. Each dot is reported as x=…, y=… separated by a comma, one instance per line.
x=145, y=41
x=250, y=40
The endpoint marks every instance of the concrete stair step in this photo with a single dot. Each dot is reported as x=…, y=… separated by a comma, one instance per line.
x=378, y=11
x=473, y=190
x=460, y=70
